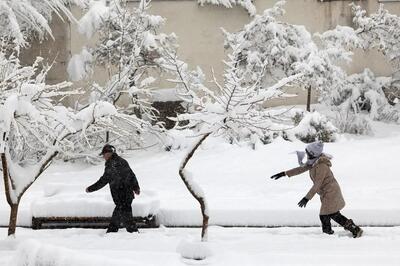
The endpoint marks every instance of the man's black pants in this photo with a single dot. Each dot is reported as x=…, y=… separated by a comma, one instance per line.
x=122, y=215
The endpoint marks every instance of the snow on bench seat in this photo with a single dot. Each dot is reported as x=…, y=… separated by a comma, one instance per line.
x=66, y=206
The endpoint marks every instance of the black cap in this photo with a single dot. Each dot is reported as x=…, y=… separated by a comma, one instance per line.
x=107, y=148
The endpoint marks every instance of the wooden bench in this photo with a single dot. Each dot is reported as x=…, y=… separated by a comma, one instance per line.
x=86, y=222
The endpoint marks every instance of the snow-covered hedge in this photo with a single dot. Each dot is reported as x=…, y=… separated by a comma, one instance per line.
x=348, y=122
x=311, y=127
x=363, y=93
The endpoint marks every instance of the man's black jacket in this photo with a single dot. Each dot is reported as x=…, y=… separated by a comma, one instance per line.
x=121, y=179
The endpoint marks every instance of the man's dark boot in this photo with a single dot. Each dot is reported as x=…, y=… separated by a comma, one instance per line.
x=354, y=229
x=112, y=229
x=132, y=228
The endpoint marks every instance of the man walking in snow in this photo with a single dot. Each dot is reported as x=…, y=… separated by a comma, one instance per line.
x=318, y=164
x=123, y=186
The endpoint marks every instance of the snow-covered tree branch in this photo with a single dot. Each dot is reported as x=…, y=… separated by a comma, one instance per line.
x=248, y=5
x=361, y=96
x=129, y=47
x=381, y=31
x=133, y=52
x=20, y=18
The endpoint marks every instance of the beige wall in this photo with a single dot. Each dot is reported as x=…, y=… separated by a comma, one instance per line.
x=201, y=40
x=55, y=50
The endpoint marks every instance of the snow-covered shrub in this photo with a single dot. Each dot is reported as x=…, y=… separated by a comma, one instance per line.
x=362, y=97
x=380, y=31
x=363, y=94
x=348, y=122
x=194, y=250
x=312, y=127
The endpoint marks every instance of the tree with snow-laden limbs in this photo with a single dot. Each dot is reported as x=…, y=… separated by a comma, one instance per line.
x=362, y=96
x=35, y=127
x=19, y=19
x=132, y=51
x=287, y=48
x=265, y=56
x=246, y=4
x=381, y=31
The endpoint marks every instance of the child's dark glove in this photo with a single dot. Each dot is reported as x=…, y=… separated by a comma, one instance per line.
x=303, y=202
x=279, y=175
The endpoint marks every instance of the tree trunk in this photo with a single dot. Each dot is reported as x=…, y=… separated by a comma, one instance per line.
x=107, y=136
x=14, y=207
x=13, y=219
x=8, y=182
x=6, y=179
x=199, y=198
x=309, y=99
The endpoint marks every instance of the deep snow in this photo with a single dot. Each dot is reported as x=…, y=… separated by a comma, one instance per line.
x=236, y=181
x=230, y=246
x=237, y=184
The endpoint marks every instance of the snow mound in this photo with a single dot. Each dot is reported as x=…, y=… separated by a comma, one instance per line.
x=67, y=201
x=194, y=250
x=32, y=253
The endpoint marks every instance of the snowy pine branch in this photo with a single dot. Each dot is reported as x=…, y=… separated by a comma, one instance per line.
x=246, y=4
x=20, y=18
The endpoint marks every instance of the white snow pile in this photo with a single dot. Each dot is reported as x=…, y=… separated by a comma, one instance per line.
x=71, y=201
x=194, y=250
x=34, y=253
x=94, y=17
x=246, y=4
x=179, y=139
x=79, y=66
x=165, y=95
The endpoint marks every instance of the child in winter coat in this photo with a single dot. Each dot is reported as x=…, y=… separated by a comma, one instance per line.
x=318, y=164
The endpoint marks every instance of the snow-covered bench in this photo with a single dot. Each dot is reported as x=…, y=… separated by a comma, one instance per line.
x=65, y=206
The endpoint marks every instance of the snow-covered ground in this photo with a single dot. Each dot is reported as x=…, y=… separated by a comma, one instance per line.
x=237, y=184
x=230, y=246
x=240, y=193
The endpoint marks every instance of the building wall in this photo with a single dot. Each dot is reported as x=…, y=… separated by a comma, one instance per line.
x=201, y=41
x=56, y=50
